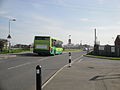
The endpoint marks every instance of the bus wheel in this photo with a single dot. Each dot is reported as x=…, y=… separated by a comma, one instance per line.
x=54, y=52
x=39, y=54
x=60, y=53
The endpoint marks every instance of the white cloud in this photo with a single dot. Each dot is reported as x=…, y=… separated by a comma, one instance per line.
x=42, y=19
x=109, y=28
x=105, y=34
x=3, y=28
x=118, y=22
x=9, y=17
x=3, y=12
x=100, y=1
x=84, y=19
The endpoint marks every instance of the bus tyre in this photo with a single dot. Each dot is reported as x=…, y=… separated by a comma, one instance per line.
x=54, y=53
x=39, y=54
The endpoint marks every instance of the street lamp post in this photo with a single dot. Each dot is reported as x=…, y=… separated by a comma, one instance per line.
x=9, y=36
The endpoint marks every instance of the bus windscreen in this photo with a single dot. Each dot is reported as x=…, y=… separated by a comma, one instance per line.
x=42, y=38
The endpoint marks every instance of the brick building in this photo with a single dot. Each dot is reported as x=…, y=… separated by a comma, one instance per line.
x=117, y=40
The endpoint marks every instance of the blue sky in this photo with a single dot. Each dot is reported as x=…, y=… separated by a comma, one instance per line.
x=61, y=18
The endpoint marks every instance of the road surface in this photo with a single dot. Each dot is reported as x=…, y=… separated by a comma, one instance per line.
x=18, y=73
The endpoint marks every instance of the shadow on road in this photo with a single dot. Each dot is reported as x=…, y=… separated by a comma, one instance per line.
x=31, y=55
x=104, y=77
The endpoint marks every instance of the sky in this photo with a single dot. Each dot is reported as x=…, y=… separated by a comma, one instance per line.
x=60, y=18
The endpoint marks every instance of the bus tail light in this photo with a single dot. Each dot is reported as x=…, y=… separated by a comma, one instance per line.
x=49, y=48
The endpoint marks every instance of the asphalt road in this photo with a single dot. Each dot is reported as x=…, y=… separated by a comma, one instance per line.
x=18, y=73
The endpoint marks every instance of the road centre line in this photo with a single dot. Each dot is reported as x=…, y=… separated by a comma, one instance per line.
x=27, y=63
x=42, y=59
x=19, y=65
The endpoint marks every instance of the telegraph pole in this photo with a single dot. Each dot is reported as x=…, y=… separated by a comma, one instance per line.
x=95, y=36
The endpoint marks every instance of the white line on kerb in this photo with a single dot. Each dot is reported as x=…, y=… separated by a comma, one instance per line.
x=80, y=60
x=59, y=71
x=53, y=76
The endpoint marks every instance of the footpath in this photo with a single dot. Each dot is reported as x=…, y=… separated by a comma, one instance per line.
x=5, y=56
x=9, y=55
x=87, y=74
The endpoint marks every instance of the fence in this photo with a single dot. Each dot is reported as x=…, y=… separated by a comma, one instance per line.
x=107, y=50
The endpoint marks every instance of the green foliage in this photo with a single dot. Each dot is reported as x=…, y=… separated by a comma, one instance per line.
x=103, y=57
x=72, y=50
x=14, y=50
x=91, y=54
x=1, y=45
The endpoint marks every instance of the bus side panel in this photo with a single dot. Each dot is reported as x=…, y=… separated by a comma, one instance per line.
x=59, y=50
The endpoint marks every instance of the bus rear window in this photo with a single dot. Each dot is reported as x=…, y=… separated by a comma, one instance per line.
x=42, y=38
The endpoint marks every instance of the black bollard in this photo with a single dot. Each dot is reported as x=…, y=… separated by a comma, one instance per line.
x=69, y=59
x=38, y=78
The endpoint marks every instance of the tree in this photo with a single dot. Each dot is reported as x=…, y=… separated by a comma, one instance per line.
x=2, y=43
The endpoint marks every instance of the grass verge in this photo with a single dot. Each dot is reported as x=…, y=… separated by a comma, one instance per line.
x=103, y=57
x=5, y=51
x=67, y=50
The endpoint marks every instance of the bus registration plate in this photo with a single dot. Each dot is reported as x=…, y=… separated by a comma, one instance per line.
x=41, y=46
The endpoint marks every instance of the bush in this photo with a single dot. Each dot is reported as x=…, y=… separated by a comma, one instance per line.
x=14, y=50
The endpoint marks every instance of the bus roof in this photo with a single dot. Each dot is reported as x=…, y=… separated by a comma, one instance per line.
x=50, y=37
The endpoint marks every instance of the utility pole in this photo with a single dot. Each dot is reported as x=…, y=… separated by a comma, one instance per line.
x=95, y=37
x=95, y=44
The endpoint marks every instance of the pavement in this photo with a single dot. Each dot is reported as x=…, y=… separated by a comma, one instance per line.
x=87, y=74
x=5, y=56
x=9, y=55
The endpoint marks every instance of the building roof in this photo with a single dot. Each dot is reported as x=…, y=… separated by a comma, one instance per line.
x=117, y=40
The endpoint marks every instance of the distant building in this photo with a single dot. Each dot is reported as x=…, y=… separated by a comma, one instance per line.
x=117, y=40
x=21, y=46
x=108, y=50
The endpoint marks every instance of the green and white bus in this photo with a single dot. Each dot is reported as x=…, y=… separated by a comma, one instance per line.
x=44, y=45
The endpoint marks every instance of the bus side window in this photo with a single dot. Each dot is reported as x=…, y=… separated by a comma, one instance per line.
x=53, y=42
x=59, y=44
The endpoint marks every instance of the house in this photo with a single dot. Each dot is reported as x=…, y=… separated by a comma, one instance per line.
x=117, y=40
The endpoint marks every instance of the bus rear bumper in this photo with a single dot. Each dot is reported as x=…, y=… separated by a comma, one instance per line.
x=41, y=51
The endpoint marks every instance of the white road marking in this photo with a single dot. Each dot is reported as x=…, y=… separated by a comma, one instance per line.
x=77, y=59
x=19, y=65
x=42, y=59
x=53, y=76
x=59, y=71
x=80, y=60
x=26, y=63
